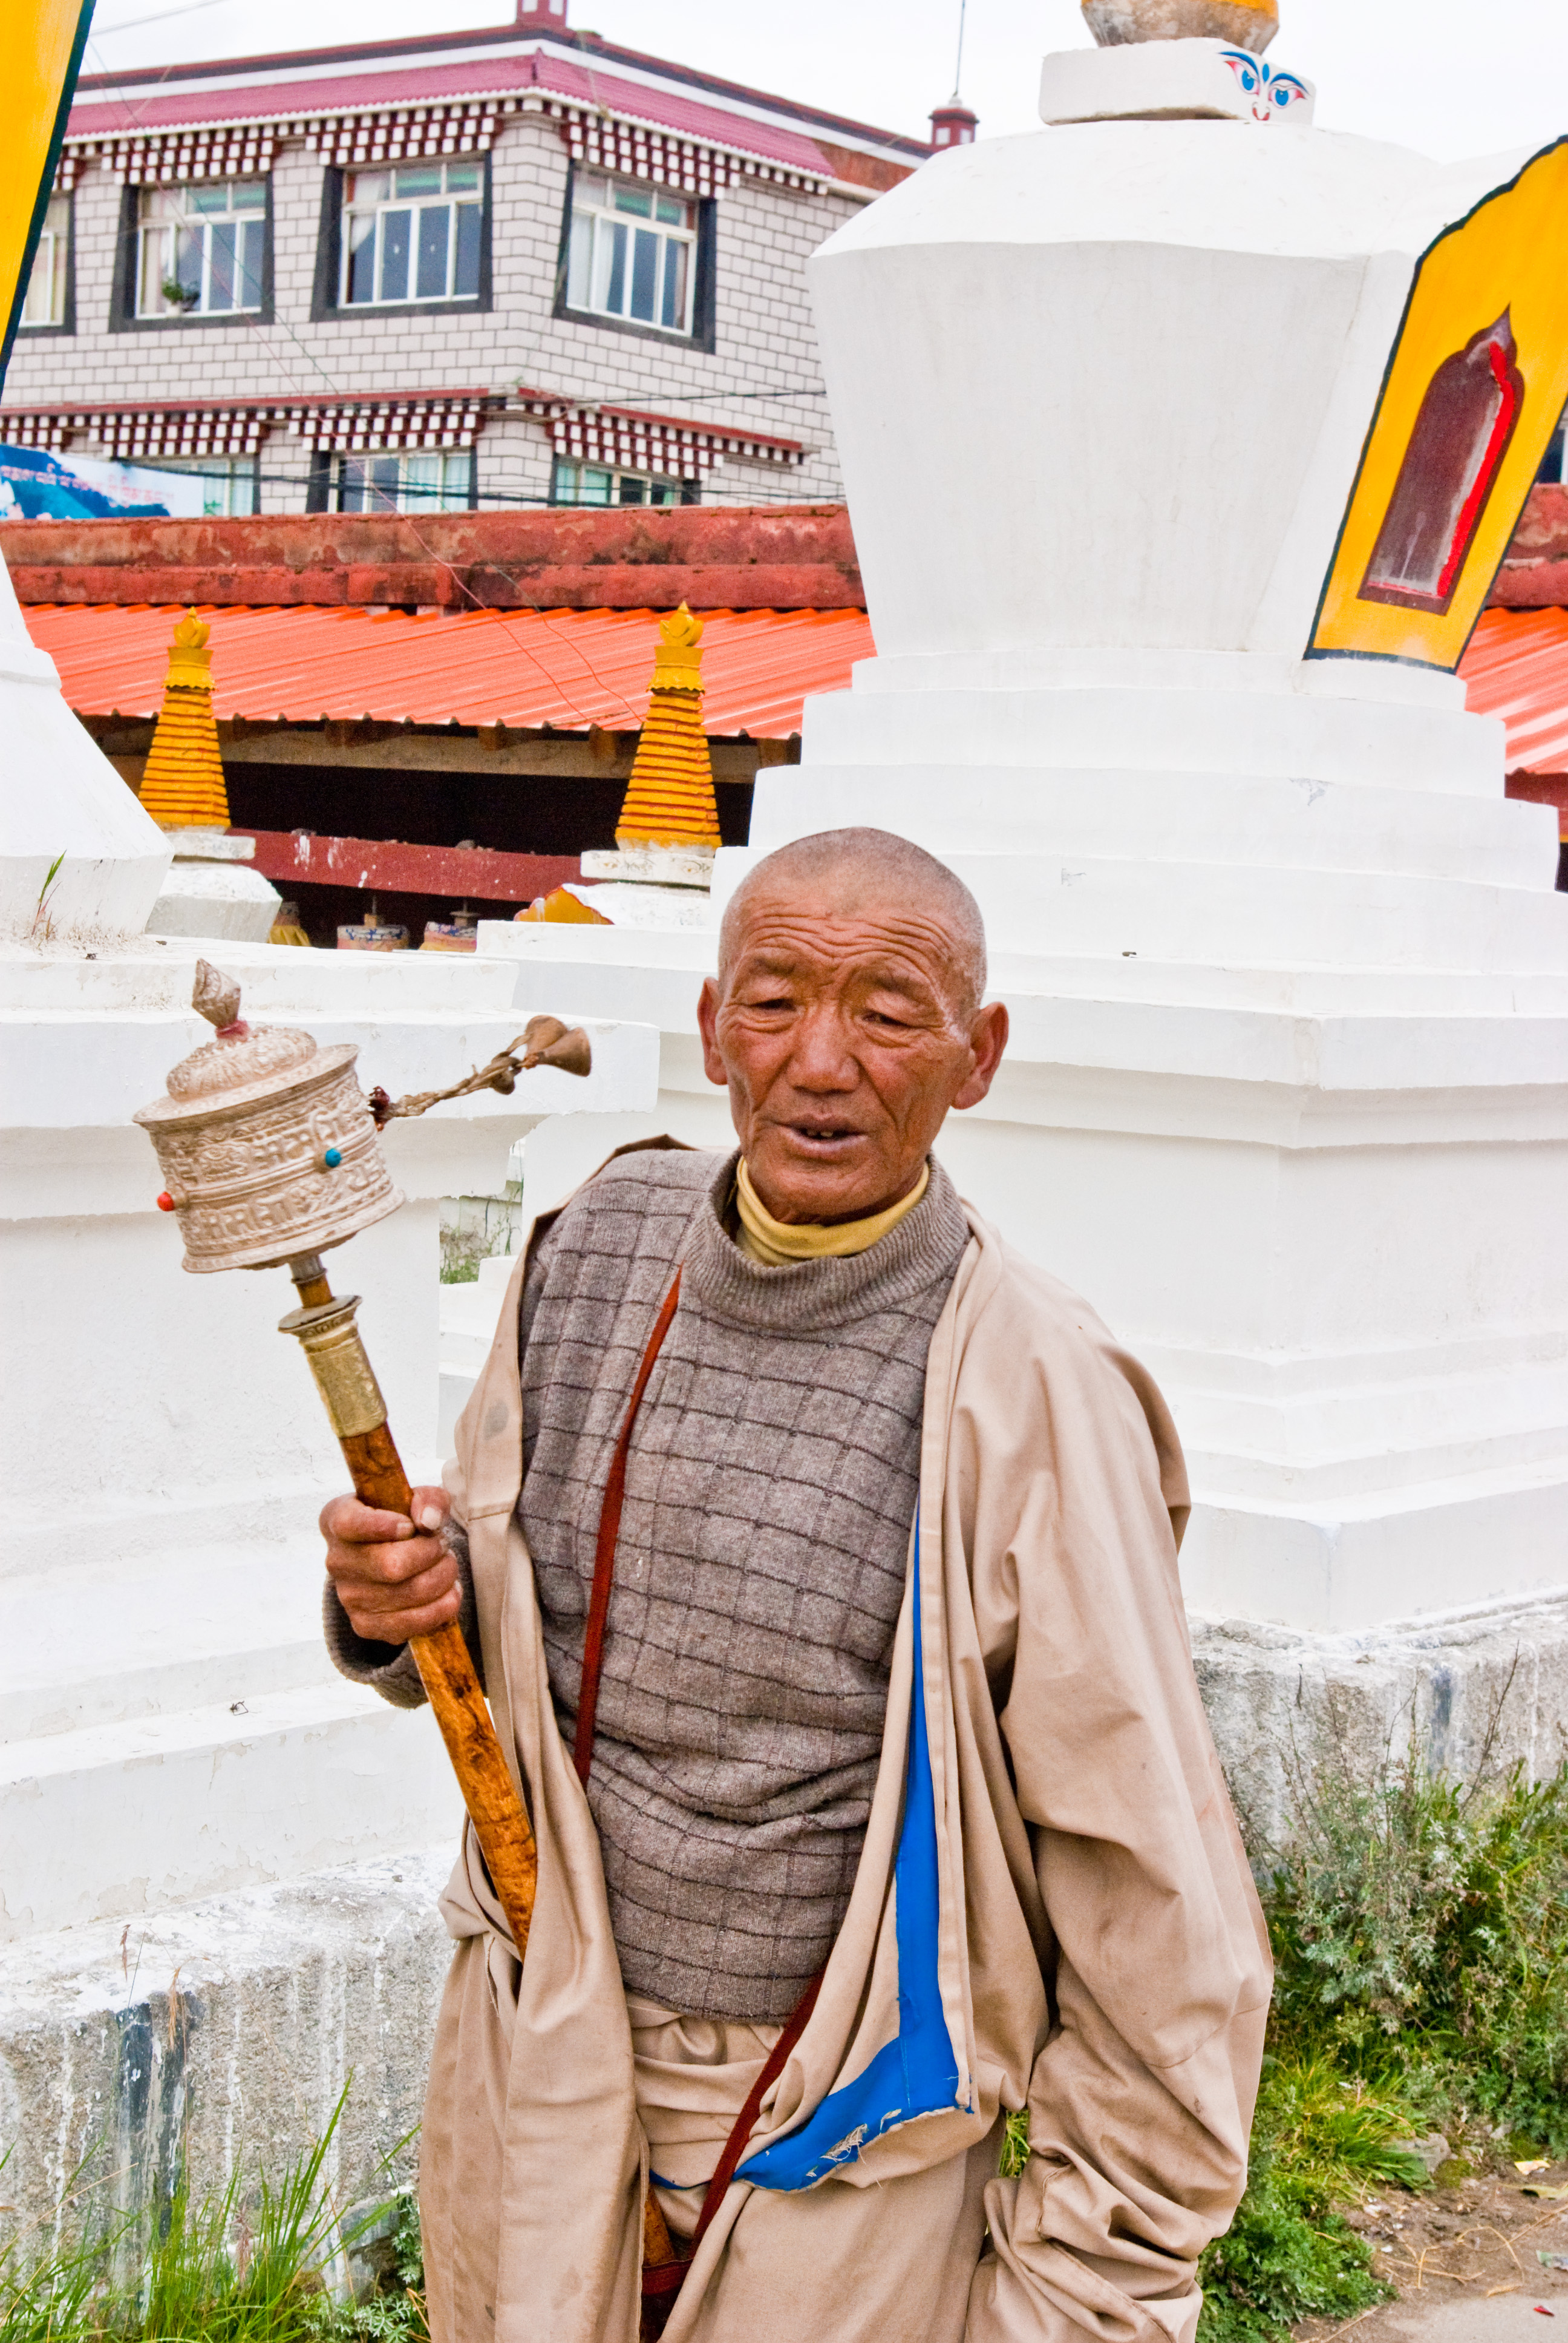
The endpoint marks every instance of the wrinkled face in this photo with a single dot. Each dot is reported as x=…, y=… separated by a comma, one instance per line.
x=843, y=1036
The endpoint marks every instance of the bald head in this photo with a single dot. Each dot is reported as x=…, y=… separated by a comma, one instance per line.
x=846, y=1019
x=870, y=871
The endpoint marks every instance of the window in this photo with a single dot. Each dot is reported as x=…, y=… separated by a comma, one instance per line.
x=595, y=483
x=201, y=248
x=228, y=482
x=631, y=252
x=437, y=482
x=45, y=301
x=413, y=234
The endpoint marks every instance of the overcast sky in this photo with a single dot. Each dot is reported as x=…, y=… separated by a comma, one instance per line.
x=1452, y=77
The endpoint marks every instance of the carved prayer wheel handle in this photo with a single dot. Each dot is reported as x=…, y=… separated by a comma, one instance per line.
x=543, y=1041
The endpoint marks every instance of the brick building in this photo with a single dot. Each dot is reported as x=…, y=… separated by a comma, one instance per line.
x=501, y=268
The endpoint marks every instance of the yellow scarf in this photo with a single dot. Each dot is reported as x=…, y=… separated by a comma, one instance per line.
x=778, y=1243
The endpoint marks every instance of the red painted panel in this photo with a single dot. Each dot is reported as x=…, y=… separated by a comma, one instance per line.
x=293, y=858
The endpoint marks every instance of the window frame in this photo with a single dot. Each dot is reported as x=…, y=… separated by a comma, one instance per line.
x=704, y=305
x=325, y=302
x=123, y=315
x=184, y=466
x=66, y=323
x=689, y=491
x=324, y=489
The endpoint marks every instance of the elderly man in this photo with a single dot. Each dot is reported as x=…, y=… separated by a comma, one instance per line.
x=900, y=1812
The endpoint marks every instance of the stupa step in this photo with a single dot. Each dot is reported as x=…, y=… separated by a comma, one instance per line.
x=207, y=1801
x=1349, y=1431
x=1216, y=816
x=1261, y=917
x=1344, y=1567
x=1287, y=736
x=199, y=1622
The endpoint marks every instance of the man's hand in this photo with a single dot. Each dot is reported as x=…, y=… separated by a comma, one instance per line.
x=392, y=1581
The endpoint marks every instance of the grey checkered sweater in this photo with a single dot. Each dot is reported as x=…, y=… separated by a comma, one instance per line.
x=770, y=1489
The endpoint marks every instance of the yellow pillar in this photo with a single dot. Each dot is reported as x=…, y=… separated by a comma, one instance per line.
x=183, y=786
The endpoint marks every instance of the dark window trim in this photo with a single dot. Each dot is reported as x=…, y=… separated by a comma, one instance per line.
x=68, y=323
x=324, y=301
x=704, y=299
x=122, y=317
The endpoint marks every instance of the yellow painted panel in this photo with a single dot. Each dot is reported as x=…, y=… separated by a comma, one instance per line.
x=36, y=38
x=1507, y=262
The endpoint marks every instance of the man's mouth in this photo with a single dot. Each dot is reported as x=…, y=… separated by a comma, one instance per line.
x=824, y=1138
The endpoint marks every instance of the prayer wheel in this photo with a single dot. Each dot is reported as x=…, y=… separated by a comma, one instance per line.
x=271, y=1154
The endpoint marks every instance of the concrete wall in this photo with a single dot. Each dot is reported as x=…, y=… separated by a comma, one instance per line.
x=765, y=338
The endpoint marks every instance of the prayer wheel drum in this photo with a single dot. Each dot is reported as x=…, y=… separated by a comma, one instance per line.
x=267, y=1146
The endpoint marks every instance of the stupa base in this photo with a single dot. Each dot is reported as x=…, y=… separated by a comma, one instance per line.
x=219, y=899
x=657, y=866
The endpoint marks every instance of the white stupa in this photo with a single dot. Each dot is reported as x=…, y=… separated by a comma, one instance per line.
x=1182, y=441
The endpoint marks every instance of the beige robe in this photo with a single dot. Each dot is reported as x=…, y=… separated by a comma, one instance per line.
x=1052, y=1908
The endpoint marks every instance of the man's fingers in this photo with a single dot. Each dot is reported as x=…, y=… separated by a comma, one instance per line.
x=439, y=1577
x=385, y=1626
x=390, y=1565
x=346, y=1522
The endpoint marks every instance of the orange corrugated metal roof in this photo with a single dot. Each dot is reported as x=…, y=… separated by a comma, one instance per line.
x=566, y=669
x=1517, y=667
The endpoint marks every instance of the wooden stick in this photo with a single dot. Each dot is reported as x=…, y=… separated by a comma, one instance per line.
x=332, y=1343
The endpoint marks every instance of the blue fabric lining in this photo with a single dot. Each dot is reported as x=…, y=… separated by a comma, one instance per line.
x=916, y=2074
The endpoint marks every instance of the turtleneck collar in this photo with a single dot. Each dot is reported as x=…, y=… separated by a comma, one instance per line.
x=776, y=1244
x=926, y=1242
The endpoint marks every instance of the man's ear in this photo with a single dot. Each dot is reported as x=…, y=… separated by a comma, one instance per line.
x=987, y=1039
x=707, y=1026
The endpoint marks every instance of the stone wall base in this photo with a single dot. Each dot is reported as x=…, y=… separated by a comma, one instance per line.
x=1465, y=1692
x=226, y=2031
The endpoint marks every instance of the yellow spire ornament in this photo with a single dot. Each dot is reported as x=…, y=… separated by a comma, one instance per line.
x=183, y=785
x=669, y=799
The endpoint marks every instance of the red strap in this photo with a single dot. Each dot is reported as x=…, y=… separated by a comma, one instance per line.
x=604, y=1552
x=665, y=2278
x=734, y=2146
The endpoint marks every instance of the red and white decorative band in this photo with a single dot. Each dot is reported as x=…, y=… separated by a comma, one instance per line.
x=347, y=427
x=162, y=158
x=635, y=150
x=635, y=443
x=408, y=134
x=356, y=426
x=127, y=434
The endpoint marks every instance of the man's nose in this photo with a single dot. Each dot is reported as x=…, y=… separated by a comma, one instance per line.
x=823, y=1058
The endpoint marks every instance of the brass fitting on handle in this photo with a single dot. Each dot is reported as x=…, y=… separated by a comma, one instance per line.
x=344, y=1375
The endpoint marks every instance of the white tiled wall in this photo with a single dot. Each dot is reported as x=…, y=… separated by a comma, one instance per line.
x=764, y=375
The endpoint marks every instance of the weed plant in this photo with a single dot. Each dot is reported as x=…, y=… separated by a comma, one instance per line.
x=1420, y=1930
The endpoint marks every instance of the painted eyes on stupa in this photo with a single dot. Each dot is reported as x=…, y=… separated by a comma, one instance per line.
x=1278, y=90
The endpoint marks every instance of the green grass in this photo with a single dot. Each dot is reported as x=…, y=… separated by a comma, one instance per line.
x=250, y=2266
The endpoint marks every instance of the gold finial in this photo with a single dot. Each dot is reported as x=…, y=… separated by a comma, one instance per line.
x=183, y=784
x=677, y=665
x=669, y=799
